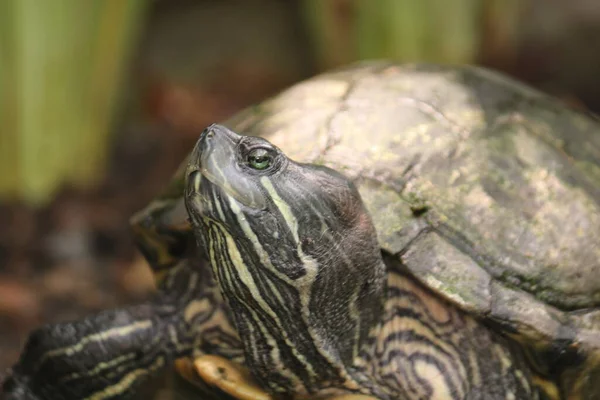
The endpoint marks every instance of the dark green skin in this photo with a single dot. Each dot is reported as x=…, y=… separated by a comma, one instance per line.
x=484, y=190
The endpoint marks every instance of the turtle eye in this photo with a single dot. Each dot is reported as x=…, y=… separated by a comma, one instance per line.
x=259, y=159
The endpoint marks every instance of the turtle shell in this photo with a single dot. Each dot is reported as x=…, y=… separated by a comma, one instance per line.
x=487, y=191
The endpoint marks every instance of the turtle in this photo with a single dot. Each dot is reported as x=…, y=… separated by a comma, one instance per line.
x=381, y=231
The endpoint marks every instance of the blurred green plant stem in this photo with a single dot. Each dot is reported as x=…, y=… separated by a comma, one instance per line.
x=61, y=64
x=444, y=31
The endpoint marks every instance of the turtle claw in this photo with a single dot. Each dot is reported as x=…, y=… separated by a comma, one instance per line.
x=223, y=374
x=234, y=379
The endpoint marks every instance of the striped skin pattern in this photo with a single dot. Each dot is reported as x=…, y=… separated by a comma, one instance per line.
x=206, y=326
x=295, y=256
x=427, y=349
x=268, y=264
x=110, y=354
x=100, y=357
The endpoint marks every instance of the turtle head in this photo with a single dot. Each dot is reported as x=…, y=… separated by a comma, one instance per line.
x=295, y=255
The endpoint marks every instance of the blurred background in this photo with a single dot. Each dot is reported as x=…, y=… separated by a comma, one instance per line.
x=100, y=100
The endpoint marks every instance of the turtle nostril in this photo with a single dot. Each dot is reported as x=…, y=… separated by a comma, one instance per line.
x=208, y=132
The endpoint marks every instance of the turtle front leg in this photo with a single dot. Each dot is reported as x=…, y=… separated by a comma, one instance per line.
x=103, y=356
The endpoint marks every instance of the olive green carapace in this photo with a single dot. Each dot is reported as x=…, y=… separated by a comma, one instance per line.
x=512, y=175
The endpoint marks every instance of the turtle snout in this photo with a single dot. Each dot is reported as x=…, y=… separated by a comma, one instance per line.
x=213, y=138
x=218, y=132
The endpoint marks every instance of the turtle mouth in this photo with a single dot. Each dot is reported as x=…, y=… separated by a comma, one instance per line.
x=201, y=181
x=196, y=203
